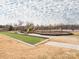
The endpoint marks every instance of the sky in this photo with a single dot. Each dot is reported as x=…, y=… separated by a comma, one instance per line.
x=39, y=11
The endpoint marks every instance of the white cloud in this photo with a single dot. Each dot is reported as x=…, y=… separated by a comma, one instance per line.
x=39, y=11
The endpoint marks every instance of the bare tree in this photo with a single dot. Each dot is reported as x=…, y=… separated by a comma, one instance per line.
x=15, y=26
x=20, y=27
x=29, y=27
x=20, y=23
x=8, y=27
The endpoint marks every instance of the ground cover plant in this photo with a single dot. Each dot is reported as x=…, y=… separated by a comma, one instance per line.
x=28, y=39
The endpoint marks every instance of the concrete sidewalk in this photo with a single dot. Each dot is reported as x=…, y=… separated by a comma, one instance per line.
x=38, y=35
x=65, y=45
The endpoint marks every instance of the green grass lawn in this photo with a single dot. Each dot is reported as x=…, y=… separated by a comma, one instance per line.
x=28, y=39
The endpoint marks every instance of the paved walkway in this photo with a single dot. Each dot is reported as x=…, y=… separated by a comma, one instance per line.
x=65, y=45
x=38, y=35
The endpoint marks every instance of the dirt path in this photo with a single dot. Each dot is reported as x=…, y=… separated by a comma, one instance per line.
x=65, y=45
x=66, y=39
x=12, y=49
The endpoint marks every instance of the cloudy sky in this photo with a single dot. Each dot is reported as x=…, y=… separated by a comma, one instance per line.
x=40, y=11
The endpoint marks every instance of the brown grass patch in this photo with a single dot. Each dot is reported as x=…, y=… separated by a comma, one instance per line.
x=11, y=49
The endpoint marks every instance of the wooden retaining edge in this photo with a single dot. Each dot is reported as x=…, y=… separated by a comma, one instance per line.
x=42, y=42
x=23, y=42
x=29, y=43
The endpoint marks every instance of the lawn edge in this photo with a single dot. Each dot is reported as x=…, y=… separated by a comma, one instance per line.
x=20, y=41
x=42, y=42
